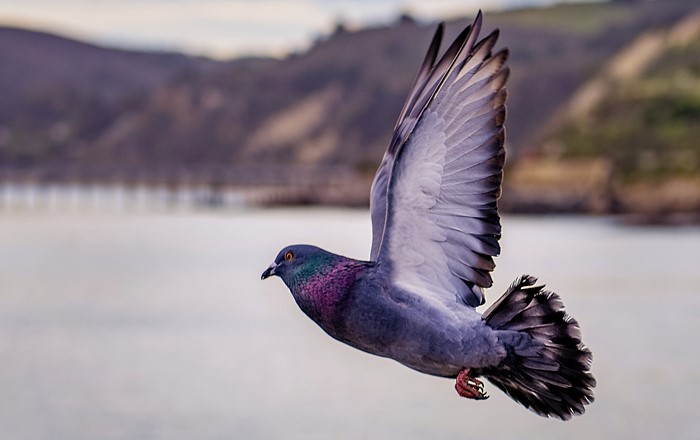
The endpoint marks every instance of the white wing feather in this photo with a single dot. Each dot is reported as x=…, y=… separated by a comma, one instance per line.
x=437, y=226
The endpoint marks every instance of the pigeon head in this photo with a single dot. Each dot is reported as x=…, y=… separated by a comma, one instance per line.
x=317, y=279
x=297, y=263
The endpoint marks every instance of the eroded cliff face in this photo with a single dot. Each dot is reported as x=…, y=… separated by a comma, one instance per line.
x=634, y=126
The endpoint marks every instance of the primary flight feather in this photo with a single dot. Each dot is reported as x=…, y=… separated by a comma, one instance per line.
x=435, y=231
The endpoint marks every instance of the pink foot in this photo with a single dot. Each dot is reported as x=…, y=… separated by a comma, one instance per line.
x=470, y=387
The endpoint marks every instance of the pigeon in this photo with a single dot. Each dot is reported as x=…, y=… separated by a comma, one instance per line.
x=435, y=231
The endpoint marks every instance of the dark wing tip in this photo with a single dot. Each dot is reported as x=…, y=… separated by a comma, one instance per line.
x=478, y=20
x=423, y=73
x=478, y=16
x=439, y=30
x=435, y=44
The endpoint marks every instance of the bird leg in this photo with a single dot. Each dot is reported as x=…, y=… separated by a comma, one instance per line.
x=470, y=387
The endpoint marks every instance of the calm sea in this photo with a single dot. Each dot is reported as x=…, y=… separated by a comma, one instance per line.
x=157, y=326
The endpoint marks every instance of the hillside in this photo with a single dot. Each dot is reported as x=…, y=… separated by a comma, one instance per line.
x=60, y=95
x=337, y=103
x=74, y=111
x=638, y=122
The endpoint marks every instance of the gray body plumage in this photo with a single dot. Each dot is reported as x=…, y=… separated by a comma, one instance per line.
x=382, y=319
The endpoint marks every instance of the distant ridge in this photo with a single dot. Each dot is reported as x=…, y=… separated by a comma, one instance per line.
x=73, y=111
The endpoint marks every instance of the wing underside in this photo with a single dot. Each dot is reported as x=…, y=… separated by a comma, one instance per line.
x=434, y=199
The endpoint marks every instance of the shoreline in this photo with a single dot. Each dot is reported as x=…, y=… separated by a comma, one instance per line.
x=540, y=201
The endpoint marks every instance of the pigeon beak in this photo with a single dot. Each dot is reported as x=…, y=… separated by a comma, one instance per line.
x=269, y=271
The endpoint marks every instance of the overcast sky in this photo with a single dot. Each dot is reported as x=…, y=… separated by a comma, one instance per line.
x=223, y=28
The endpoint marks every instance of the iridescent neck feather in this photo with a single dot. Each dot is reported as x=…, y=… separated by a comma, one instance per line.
x=322, y=284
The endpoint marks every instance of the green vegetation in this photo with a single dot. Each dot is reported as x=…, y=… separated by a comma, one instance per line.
x=580, y=18
x=649, y=126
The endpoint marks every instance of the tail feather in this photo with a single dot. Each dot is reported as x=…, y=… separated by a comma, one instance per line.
x=547, y=368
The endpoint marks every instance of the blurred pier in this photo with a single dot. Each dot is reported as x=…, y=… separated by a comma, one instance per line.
x=177, y=187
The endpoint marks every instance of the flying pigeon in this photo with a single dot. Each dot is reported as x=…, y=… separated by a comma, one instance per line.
x=435, y=231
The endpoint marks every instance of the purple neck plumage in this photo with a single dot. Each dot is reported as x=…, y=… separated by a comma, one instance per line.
x=320, y=289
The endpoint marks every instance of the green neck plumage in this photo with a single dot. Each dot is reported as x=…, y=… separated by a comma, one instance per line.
x=319, y=266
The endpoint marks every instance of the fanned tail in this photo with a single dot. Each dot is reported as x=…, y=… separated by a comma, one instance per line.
x=547, y=368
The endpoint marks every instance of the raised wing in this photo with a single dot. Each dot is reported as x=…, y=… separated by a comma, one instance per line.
x=434, y=199
x=380, y=184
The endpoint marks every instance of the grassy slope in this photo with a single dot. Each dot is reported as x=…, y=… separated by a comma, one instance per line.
x=649, y=126
x=583, y=19
x=645, y=132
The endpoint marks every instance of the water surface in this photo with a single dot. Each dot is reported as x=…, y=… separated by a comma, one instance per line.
x=156, y=326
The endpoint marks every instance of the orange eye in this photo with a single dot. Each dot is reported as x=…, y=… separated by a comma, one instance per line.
x=289, y=256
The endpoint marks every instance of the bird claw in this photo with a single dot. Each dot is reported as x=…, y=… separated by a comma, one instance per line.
x=470, y=387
